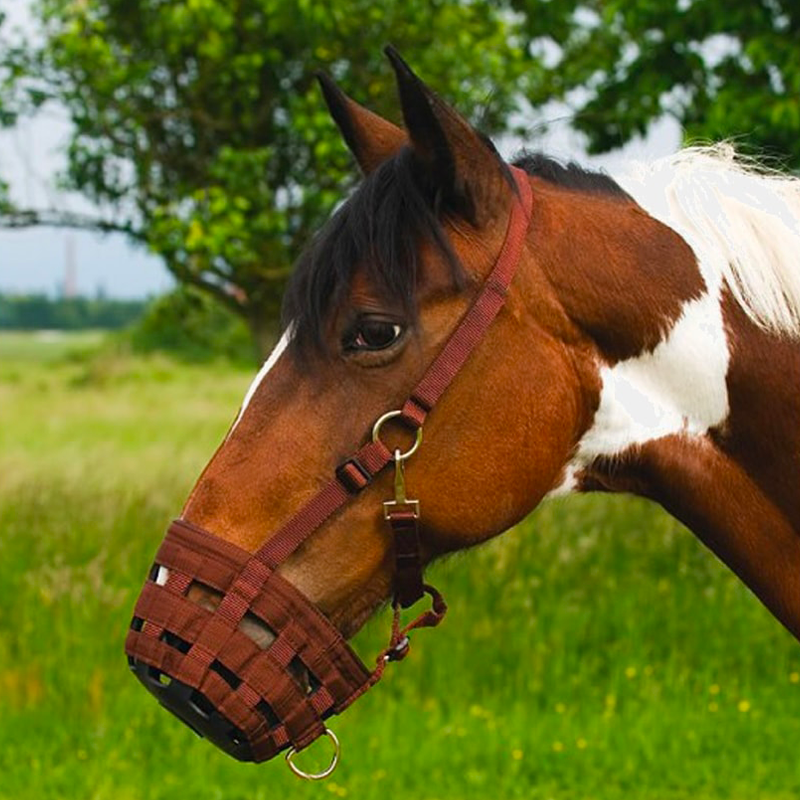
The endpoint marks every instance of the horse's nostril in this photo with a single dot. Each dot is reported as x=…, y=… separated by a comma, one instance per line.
x=251, y=625
x=204, y=596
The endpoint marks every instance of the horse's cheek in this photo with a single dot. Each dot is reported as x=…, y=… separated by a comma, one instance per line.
x=492, y=468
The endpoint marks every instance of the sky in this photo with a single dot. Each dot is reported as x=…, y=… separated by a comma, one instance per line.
x=34, y=260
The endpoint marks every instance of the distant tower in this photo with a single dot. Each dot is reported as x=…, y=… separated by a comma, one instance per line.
x=70, y=268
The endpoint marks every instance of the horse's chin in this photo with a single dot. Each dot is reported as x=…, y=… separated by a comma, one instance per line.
x=350, y=617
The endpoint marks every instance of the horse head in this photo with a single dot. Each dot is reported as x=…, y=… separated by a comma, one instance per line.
x=371, y=303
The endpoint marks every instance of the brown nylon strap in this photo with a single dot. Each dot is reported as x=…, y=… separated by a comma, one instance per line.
x=373, y=457
x=398, y=644
x=408, y=585
x=474, y=325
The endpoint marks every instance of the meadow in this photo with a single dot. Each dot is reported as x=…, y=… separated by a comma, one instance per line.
x=595, y=651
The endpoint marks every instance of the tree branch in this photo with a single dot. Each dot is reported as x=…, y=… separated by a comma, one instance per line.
x=51, y=218
x=216, y=290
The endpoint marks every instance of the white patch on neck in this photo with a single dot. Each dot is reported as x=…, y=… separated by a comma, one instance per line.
x=742, y=220
x=680, y=387
x=262, y=373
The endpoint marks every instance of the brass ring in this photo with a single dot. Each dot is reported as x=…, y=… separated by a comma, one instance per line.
x=315, y=776
x=376, y=436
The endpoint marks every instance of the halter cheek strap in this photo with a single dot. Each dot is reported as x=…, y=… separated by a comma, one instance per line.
x=480, y=316
x=358, y=471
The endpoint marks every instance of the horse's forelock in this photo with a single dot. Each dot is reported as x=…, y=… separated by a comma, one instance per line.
x=379, y=229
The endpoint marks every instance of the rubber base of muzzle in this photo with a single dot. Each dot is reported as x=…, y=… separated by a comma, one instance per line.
x=193, y=709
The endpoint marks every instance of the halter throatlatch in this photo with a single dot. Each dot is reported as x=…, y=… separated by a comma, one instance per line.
x=256, y=699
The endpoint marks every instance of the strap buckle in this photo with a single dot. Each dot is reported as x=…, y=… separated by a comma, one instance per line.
x=391, y=508
x=401, y=504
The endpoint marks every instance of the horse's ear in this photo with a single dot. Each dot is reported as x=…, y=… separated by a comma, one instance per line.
x=371, y=138
x=464, y=164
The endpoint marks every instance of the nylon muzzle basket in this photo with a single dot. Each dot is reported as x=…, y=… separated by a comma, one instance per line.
x=247, y=700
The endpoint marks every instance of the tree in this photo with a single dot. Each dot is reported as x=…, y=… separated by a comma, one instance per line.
x=198, y=128
x=721, y=69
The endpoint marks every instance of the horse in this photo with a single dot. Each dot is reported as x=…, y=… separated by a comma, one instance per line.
x=643, y=340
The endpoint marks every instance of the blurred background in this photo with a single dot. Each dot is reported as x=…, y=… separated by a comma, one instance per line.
x=162, y=164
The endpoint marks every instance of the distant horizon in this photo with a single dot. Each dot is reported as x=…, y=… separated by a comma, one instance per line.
x=34, y=261
x=57, y=293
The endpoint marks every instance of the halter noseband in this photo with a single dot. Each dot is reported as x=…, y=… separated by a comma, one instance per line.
x=219, y=681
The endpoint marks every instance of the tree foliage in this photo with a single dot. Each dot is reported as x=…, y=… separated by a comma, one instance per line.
x=721, y=69
x=38, y=311
x=198, y=128
x=190, y=325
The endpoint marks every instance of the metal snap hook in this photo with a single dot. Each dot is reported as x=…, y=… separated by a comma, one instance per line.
x=376, y=436
x=316, y=776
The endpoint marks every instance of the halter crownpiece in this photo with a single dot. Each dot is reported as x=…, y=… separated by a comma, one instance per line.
x=248, y=699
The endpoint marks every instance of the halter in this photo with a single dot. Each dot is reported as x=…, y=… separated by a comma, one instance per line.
x=247, y=699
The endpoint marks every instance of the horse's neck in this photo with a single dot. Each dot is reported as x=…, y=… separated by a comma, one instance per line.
x=677, y=388
x=677, y=356
x=707, y=422
x=655, y=316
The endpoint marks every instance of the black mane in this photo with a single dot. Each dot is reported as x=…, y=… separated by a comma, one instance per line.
x=569, y=175
x=381, y=228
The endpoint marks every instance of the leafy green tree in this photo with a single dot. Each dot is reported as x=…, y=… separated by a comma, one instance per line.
x=190, y=325
x=722, y=69
x=198, y=128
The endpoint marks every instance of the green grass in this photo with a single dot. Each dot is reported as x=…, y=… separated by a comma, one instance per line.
x=596, y=651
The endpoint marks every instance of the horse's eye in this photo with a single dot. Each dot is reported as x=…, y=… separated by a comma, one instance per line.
x=371, y=334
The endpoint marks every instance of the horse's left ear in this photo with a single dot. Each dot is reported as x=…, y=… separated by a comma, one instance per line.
x=371, y=138
x=465, y=166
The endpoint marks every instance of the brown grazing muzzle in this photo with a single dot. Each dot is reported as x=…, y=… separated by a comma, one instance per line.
x=248, y=701
x=255, y=701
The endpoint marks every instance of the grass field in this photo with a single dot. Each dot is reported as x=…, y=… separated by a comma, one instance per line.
x=596, y=651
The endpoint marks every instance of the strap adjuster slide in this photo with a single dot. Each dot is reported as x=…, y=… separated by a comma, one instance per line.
x=353, y=475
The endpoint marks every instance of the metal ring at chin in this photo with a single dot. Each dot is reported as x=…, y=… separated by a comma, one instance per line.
x=318, y=776
x=376, y=435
